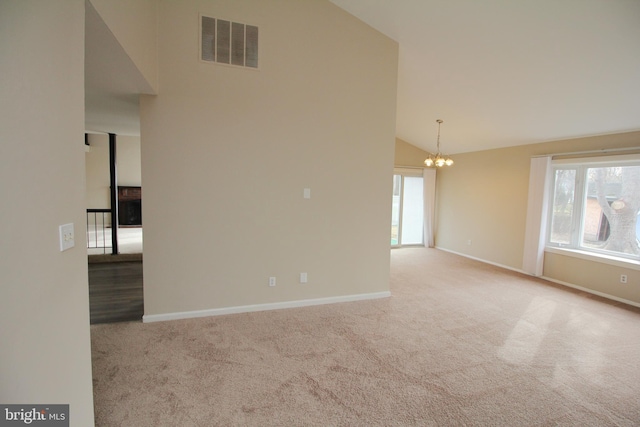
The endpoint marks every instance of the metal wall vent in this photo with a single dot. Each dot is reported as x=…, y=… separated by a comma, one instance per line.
x=227, y=42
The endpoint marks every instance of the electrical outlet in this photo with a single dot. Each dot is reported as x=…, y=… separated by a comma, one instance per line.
x=469, y=242
x=623, y=278
x=303, y=277
x=272, y=281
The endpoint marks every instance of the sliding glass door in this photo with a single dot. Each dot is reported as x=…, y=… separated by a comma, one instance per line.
x=407, y=214
x=395, y=210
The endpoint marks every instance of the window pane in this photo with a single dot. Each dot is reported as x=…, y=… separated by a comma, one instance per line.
x=563, y=204
x=395, y=209
x=611, y=209
x=412, y=211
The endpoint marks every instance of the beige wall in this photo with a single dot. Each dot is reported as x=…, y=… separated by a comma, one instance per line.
x=97, y=167
x=483, y=198
x=599, y=277
x=45, y=355
x=227, y=152
x=134, y=24
x=129, y=161
x=409, y=155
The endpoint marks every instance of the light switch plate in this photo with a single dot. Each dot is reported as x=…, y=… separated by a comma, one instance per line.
x=67, y=237
x=307, y=193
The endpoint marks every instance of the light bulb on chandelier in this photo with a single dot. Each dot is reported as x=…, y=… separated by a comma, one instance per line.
x=438, y=160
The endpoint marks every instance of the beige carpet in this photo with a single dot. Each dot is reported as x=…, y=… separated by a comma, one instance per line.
x=479, y=346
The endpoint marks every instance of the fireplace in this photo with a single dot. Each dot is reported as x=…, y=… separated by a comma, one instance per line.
x=130, y=206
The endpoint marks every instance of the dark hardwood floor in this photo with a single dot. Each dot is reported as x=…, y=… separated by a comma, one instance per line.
x=115, y=292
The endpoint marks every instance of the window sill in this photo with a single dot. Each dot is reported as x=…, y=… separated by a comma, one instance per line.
x=590, y=256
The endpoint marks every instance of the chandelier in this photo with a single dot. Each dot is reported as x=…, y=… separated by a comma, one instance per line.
x=438, y=160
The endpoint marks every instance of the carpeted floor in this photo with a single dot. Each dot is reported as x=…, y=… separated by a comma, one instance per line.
x=477, y=346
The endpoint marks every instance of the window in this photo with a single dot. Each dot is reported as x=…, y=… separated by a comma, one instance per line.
x=407, y=214
x=595, y=206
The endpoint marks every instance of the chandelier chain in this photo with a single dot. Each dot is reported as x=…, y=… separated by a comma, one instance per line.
x=438, y=160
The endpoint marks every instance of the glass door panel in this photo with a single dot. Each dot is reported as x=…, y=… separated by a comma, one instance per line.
x=407, y=211
x=412, y=211
x=395, y=210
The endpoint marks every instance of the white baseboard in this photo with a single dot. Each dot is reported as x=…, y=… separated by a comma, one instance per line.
x=559, y=282
x=148, y=318
x=591, y=291
x=517, y=270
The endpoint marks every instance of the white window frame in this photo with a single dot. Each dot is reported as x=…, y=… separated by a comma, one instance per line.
x=575, y=248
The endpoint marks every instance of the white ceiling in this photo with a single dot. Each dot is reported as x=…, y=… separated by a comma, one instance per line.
x=510, y=72
x=498, y=72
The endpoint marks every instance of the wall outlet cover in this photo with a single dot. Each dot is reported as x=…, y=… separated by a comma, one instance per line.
x=67, y=237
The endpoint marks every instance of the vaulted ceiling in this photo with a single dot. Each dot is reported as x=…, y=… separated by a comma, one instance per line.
x=498, y=72
x=510, y=72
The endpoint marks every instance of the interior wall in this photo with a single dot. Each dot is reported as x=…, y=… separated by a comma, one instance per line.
x=44, y=309
x=599, y=277
x=409, y=155
x=97, y=173
x=482, y=200
x=134, y=23
x=128, y=162
x=227, y=153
